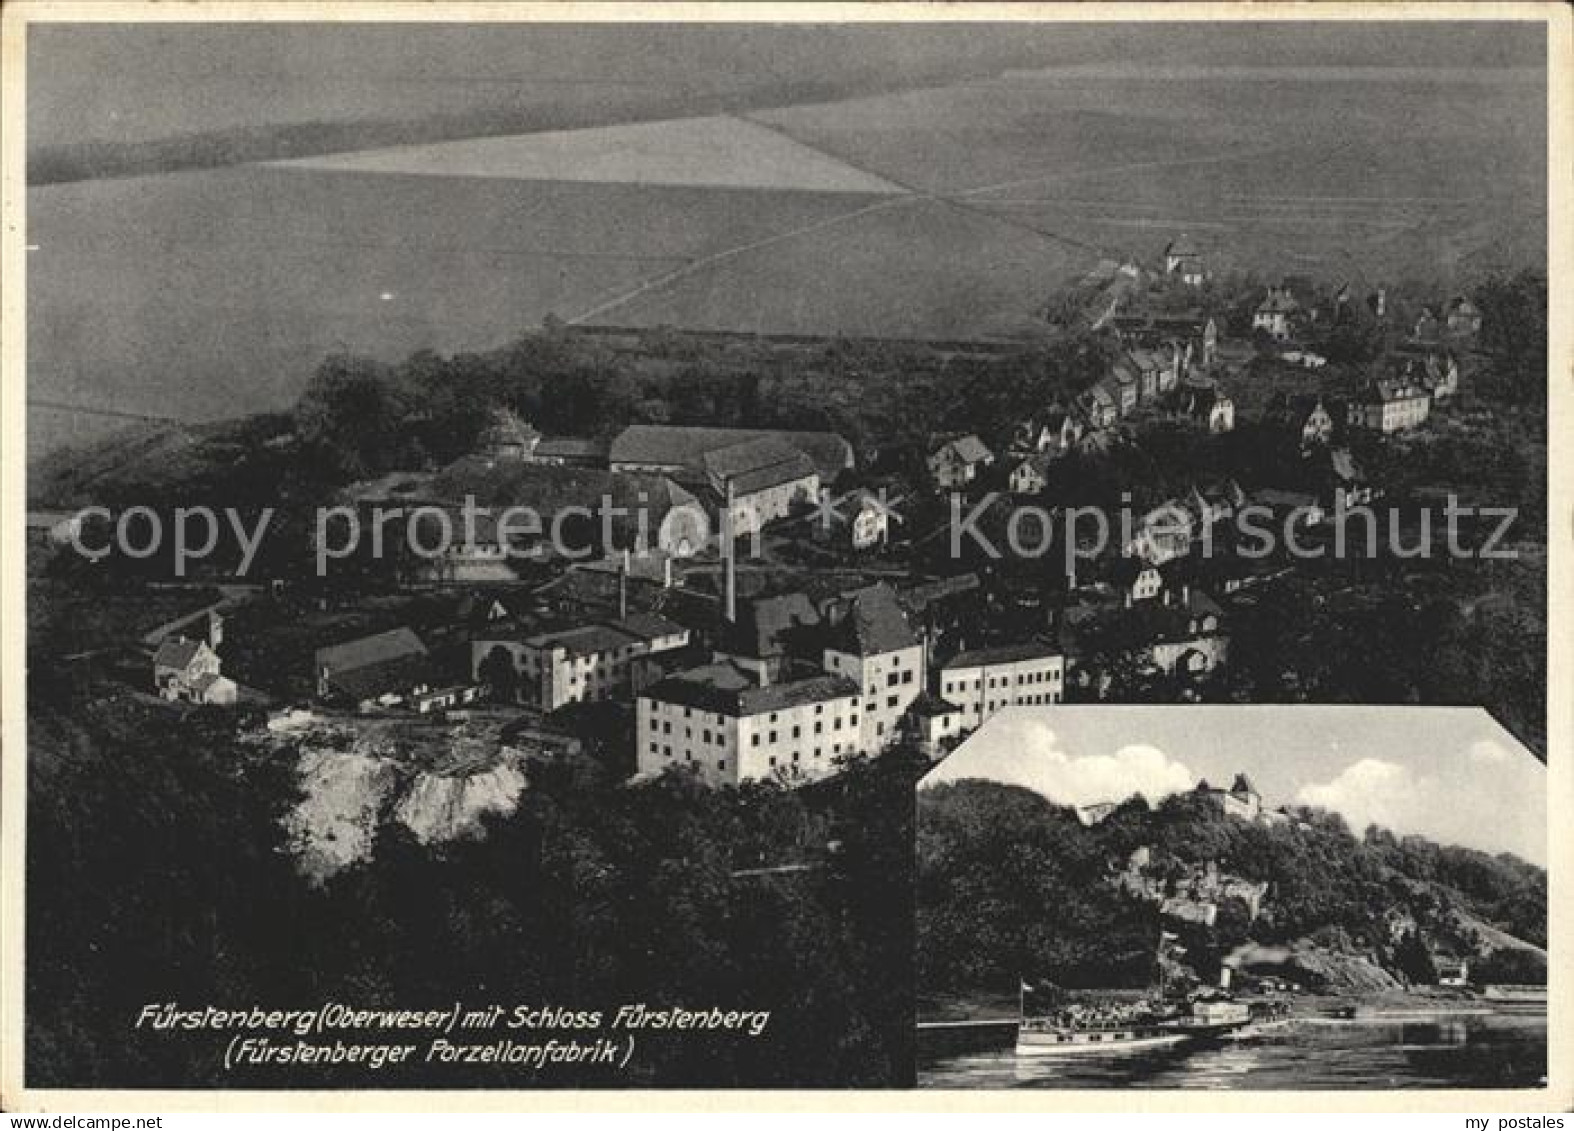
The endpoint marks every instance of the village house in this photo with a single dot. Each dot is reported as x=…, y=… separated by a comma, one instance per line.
x=1428, y=326
x=1435, y=370
x=1318, y=425
x=957, y=462
x=1301, y=507
x=1206, y=402
x=1183, y=260
x=1162, y=534
x=188, y=671
x=588, y=663
x=872, y=644
x=1277, y=314
x=985, y=680
x=1136, y=579
x=1155, y=371
x=1185, y=633
x=1345, y=483
x=387, y=669
x=1054, y=435
x=1463, y=317
x=1126, y=383
x=1102, y=404
x=1030, y=475
x=726, y=725
x=860, y=518
x=508, y=437
x=1391, y=405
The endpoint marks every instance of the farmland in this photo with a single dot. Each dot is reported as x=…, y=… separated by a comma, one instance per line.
x=950, y=210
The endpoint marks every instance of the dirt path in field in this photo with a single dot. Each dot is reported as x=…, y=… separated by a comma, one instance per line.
x=961, y=201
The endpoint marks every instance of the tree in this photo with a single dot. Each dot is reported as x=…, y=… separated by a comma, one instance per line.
x=499, y=675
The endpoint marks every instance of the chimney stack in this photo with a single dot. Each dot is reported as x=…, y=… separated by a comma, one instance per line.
x=729, y=565
x=623, y=587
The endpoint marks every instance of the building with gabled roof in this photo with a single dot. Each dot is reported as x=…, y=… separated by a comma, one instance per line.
x=982, y=681
x=722, y=723
x=676, y=448
x=382, y=670
x=1277, y=313
x=188, y=671
x=1183, y=259
x=871, y=643
x=957, y=462
x=594, y=662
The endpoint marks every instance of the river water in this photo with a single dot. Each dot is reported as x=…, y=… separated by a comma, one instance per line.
x=1480, y=1051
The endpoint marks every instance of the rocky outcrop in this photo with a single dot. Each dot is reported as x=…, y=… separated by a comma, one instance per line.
x=441, y=808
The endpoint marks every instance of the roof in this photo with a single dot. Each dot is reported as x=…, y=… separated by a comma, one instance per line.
x=756, y=465
x=648, y=626
x=672, y=446
x=508, y=428
x=1183, y=247
x=395, y=644
x=1243, y=784
x=875, y=624
x=968, y=449
x=177, y=653
x=766, y=625
x=1278, y=302
x=396, y=674
x=932, y=705
x=587, y=640
x=571, y=447
x=727, y=689
x=1002, y=654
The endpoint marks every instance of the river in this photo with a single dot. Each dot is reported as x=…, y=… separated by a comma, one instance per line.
x=1499, y=1050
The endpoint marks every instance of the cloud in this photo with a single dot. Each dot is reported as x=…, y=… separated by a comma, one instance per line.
x=1025, y=751
x=1499, y=805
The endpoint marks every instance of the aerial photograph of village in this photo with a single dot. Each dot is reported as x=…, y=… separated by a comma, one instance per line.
x=941, y=555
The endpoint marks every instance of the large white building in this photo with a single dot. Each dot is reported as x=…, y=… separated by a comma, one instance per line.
x=873, y=645
x=765, y=479
x=575, y=665
x=720, y=720
x=982, y=682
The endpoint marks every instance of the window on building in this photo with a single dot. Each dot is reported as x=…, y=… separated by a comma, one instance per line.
x=772, y=738
x=893, y=700
x=797, y=731
x=755, y=740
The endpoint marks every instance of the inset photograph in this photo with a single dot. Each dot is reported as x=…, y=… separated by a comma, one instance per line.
x=1254, y=897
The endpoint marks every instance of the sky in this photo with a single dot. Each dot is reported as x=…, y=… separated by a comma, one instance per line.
x=1451, y=774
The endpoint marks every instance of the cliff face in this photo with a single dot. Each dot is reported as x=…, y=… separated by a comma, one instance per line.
x=1335, y=971
x=350, y=796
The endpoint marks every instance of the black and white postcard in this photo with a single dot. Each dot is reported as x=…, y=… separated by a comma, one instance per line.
x=952, y=550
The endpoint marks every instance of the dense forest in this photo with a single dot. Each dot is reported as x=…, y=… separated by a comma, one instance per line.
x=158, y=872
x=1010, y=885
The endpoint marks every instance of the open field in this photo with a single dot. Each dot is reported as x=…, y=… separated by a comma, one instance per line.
x=949, y=211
